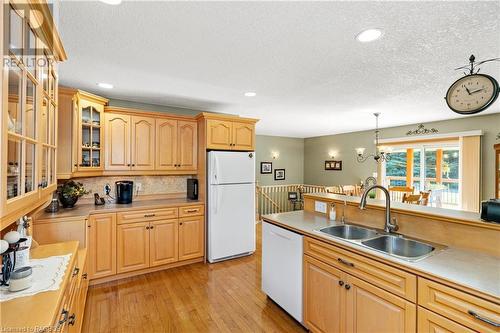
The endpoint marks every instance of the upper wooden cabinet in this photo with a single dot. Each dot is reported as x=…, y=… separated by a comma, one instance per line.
x=28, y=107
x=228, y=132
x=219, y=134
x=117, y=141
x=243, y=136
x=176, y=145
x=81, y=133
x=142, y=143
x=130, y=142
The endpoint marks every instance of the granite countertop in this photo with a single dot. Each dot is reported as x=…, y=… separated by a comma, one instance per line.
x=82, y=210
x=470, y=269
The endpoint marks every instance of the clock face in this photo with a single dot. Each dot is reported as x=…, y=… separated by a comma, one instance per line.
x=472, y=93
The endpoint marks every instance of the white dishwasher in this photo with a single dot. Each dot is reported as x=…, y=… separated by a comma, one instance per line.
x=282, y=268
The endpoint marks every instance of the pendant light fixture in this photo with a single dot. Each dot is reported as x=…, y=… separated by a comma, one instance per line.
x=381, y=153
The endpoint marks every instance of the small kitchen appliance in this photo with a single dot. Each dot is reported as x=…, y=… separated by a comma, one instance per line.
x=490, y=210
x=124, y=191
x=192, y=189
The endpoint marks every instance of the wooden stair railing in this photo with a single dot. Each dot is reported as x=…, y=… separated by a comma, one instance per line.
x=271, y=199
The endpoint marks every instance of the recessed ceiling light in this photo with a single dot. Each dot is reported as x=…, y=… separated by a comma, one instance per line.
x=250, y=94
x=369, y=35
x=111, y=2
x=105, y=85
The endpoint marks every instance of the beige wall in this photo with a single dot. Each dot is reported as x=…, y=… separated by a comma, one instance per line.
x=316, y=151
x=291, y=159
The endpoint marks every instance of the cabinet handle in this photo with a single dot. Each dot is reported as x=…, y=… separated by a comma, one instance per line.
x=341, y=283
x=72, y=319
x=133, y=164
x=128, y=164
x=345, y=262
x=75, y=271
x=180, y=223
x=84, y=276
x=347, y=286
x=76, y=164
x=147, y=228
x=191, y=210
x=483, y=319
x=149, y=215
x=64, y=314
x=151, y=227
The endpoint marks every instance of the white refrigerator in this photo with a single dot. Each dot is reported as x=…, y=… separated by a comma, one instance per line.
x=231, y=204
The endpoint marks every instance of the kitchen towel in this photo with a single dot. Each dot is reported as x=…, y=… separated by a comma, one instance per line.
x=48, y=273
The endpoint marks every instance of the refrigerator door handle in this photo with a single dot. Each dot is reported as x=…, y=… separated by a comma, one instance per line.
x=216, y=193
x=215, y=166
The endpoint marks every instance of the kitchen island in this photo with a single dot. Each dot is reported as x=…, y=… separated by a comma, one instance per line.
x=456, y=288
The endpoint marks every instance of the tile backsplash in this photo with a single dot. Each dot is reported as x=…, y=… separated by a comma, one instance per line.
x=150, y=184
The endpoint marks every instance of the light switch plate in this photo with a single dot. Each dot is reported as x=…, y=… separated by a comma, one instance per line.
x=320, y=206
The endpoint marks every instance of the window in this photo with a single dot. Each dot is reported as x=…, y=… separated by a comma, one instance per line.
x=427, y=167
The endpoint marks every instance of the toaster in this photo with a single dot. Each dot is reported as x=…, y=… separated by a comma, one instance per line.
x=490, y=210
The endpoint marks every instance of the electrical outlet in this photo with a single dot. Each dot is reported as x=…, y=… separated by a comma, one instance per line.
x=107, y=189
x=138, y=187
x=320, y=206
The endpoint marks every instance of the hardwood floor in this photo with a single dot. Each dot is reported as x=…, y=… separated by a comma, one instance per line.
x=222, y=297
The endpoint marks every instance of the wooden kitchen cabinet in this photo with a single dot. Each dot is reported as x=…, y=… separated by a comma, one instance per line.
x=323, y=296
x=371, y=309
x=117, y=141
x=142, y=143
x=230, y=135
x=102, y=245
x=166, y=144
x=81, y=133
x=335, y=301
x=187, y=156
x=176, y=145
x=219, y=134
x=163, y=242
x=132, y=246
x=243, y=136
x=191, y=236
x=430, y=322
x=29, y=107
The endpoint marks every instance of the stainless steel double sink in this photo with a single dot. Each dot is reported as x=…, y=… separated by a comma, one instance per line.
x=392, y=244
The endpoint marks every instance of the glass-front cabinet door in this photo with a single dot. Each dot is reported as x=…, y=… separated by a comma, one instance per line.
x=22, y=109
x=31, y=107
x=91, y=128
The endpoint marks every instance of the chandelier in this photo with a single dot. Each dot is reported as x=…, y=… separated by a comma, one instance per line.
x=381, y=153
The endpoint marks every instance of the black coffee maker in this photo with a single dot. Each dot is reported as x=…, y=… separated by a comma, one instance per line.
x=124, y=191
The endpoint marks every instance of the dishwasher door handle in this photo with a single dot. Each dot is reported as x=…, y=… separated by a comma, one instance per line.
x=279, y=235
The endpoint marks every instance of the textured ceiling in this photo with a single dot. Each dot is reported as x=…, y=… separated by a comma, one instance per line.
x=310, y=74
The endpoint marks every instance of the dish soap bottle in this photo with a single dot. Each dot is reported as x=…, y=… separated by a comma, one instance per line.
x=332, y=215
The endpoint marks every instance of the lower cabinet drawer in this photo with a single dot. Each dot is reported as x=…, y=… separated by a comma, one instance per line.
x=394, y=280
x=191, y=211
x=430, y=322
x=471, y=311
x=147, y=215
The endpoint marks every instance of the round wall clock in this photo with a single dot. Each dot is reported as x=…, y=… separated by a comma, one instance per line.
x=472, y=93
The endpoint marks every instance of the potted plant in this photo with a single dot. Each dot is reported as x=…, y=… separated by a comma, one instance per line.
x=69, y=193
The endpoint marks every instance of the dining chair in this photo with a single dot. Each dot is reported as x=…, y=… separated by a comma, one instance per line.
x=397, y=192
x=411, y=198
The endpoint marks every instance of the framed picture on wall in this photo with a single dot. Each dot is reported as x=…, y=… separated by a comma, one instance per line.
x=279, y=174
x=333, y=165
x=266, y=167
